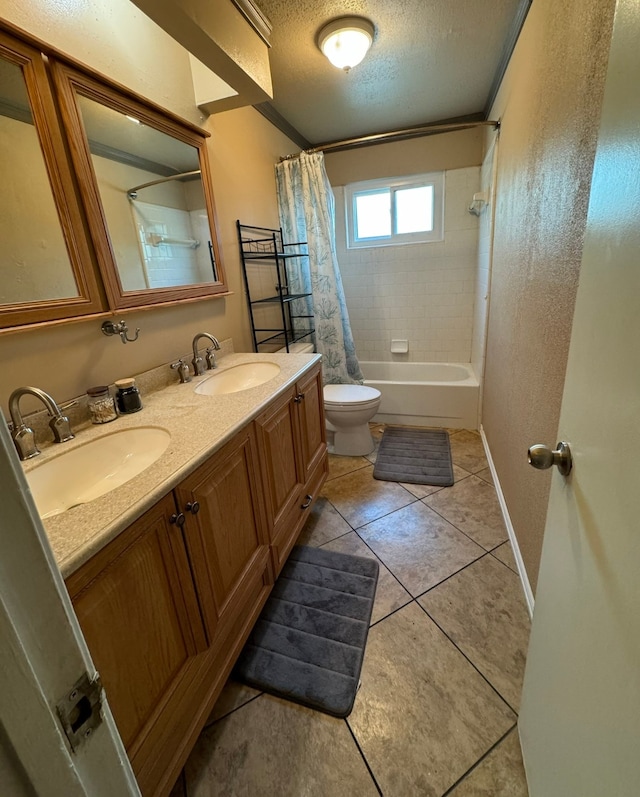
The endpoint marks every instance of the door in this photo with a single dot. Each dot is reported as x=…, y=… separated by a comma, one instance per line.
x=580, y=719
x=42, y=655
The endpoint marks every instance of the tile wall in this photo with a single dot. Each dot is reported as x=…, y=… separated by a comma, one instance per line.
x=483, y=266
x=422, y=292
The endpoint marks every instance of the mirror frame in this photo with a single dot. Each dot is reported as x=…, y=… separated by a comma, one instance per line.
x=90, y=297
x=70, y=83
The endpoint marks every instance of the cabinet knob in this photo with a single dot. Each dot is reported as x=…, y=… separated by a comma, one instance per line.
x=193, y=507
x=299, y=398
x=178, y=519
x=307, y=503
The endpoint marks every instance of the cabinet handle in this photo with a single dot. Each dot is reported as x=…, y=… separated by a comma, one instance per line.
x=299, y=398
x=178, y=519
x=193, y=507
x=307, y=503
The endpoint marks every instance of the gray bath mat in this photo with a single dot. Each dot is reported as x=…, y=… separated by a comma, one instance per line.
x=414, y=456
x=308, y=643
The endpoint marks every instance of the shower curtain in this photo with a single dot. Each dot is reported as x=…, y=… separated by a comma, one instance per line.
x=307, y=213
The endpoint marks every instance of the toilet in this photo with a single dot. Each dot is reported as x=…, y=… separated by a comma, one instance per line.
x=348, y=410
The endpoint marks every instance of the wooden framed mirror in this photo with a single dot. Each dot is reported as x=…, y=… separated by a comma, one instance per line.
x=47, y=269
x=146, y=186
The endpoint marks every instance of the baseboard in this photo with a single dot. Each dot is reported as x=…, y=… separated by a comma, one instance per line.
x=522, y=572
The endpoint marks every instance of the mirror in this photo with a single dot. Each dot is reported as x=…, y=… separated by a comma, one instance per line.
x=41, y=271
x=150, y=187
x=145, y=181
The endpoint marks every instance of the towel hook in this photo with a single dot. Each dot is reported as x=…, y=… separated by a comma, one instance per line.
x=110, y=328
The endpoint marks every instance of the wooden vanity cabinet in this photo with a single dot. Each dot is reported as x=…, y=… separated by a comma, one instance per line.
x=293, y=458
x=167, y=605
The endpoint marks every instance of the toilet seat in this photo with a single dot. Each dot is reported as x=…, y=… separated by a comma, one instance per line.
x=349, y=396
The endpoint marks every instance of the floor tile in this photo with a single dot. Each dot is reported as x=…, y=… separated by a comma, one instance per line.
x=377, y=430
x=323, y=524
x=486, y=475
x=500, y=774
x=504, y=553
x=390, y=594
x=472, y=506
x=419, y=547
x=467, y=451
x=275, y=748
x=483, y=611
x=423, y=490
x=423, y=715
x=233, y=695
x=359, y=498
x=339, y=465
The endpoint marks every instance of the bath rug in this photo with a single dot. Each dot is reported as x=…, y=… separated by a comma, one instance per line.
x=414, y=456
x=308, y=643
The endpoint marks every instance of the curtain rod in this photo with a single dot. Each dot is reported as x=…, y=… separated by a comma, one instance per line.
x=132, y=192
x=396, y=135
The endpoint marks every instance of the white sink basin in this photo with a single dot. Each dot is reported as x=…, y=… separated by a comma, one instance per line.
x=240, y=377
x=88, y=471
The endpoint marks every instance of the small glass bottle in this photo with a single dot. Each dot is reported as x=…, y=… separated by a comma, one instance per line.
x=101, y=405
x=128, y=396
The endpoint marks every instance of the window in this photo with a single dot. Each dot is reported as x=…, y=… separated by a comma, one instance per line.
x=395, y=211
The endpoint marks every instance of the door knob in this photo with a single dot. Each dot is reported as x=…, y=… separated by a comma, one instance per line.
x=542, y=457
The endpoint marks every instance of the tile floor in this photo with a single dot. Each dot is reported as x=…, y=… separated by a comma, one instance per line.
x=437, y=710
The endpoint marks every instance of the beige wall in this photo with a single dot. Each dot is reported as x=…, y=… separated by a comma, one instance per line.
x=455, y=150
x=66, y=359
x=549, y=104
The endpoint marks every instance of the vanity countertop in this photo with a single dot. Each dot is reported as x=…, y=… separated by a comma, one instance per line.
x=198, y=424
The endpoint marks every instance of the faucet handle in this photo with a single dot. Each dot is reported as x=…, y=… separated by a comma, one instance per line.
x=183, y=371
x=61, y=429
x=210, y=357
x=25, y=441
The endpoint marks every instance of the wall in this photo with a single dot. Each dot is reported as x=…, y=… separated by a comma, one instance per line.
x=65, y=359
x=485, y=253
x=549, y=104
x=422, y=292
x=436, y=153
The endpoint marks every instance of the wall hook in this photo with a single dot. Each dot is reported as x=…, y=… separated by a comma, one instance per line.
x=110, y=328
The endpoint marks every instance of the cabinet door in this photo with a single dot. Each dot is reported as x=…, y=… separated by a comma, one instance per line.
x=282, y=466
x=226, y=537
x=313, y=439
x=138, y=611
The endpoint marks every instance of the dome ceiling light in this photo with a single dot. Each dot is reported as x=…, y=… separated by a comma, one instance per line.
x=346, y=41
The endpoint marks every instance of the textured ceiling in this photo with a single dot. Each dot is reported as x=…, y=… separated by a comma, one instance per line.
x=430, y=60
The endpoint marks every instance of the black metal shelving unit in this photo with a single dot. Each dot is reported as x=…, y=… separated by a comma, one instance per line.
x=276, y=321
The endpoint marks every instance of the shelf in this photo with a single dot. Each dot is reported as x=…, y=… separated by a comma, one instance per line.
x=279, y=339
x=289, y=297
x=271, y=255
x=282, y=325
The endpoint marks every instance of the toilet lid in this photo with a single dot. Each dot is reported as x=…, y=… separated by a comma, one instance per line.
x=350, y=394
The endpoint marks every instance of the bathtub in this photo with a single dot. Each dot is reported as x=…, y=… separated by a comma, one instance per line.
x=425, y=394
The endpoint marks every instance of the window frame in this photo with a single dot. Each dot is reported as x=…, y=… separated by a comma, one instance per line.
x=394, y=184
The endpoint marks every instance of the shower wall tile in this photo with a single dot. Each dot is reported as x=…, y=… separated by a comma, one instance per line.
x=422, y=292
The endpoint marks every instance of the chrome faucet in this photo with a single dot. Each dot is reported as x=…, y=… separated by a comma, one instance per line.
x=198, y=362
x=23, y=436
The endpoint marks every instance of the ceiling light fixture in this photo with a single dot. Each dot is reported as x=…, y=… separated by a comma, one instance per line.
x=345, y=41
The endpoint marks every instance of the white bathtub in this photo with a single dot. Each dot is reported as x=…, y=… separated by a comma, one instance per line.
x=425, y=394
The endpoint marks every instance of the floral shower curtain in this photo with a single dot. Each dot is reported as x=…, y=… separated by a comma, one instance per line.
x=307, y=213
